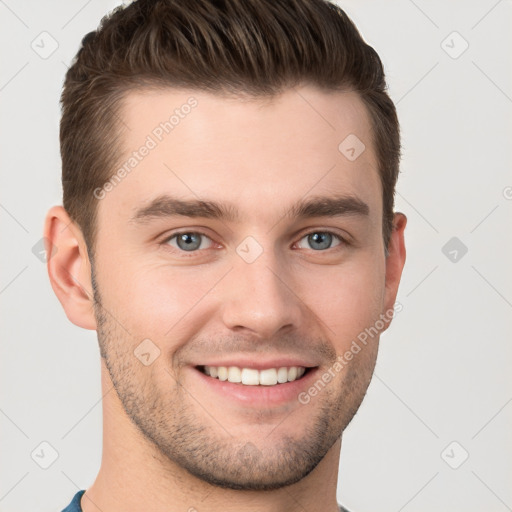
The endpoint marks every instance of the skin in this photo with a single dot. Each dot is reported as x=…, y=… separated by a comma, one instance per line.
x=293, y=301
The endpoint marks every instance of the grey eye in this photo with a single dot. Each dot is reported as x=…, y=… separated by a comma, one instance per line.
x=190, y=241
x=320, y=240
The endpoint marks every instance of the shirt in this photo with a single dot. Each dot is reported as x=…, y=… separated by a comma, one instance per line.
x=74, y=506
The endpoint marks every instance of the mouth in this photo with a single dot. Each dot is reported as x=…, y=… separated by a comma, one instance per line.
x=267, y=377
x=255, y=385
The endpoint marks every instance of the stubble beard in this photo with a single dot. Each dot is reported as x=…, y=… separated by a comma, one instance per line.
x=170, y=422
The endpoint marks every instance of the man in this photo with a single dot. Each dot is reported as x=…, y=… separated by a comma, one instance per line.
x=228, y=229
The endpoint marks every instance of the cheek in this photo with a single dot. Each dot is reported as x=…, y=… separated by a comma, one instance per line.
x=349, y=300
x=160, y=302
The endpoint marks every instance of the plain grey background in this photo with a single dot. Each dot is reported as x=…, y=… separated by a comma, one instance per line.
x=434, y=432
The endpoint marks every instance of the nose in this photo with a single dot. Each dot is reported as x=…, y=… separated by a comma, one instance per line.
x=258, y=297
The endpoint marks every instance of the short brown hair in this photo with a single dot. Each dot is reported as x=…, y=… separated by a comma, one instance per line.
x=242, y=47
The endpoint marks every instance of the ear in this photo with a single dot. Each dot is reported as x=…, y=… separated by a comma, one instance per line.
x=69, y=267
x=395, y=260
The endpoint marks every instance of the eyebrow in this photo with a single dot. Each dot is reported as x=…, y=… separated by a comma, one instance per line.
x=317, y=206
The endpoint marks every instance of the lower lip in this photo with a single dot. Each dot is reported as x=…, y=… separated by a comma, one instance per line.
x=259, y=396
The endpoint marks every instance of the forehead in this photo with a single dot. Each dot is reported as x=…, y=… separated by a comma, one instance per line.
x=255, y=153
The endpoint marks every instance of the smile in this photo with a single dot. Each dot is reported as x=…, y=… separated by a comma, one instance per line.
x=254, y=377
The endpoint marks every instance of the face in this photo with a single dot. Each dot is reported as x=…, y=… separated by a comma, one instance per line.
x=242, y=244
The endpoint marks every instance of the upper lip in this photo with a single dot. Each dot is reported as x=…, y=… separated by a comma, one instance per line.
x=258, y=363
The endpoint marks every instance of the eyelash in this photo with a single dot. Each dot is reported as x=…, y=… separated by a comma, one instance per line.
x=165, y=243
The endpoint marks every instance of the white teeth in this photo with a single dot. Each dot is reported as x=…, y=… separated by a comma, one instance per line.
x=282, y=375
x=268, y=377
x=253, y=377
x=250, y=377
x=234, y=374
x=222, y=373
x=292, y=373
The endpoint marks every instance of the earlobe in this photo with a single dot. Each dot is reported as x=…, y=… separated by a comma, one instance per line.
x=69, y=267
x=395, y=260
